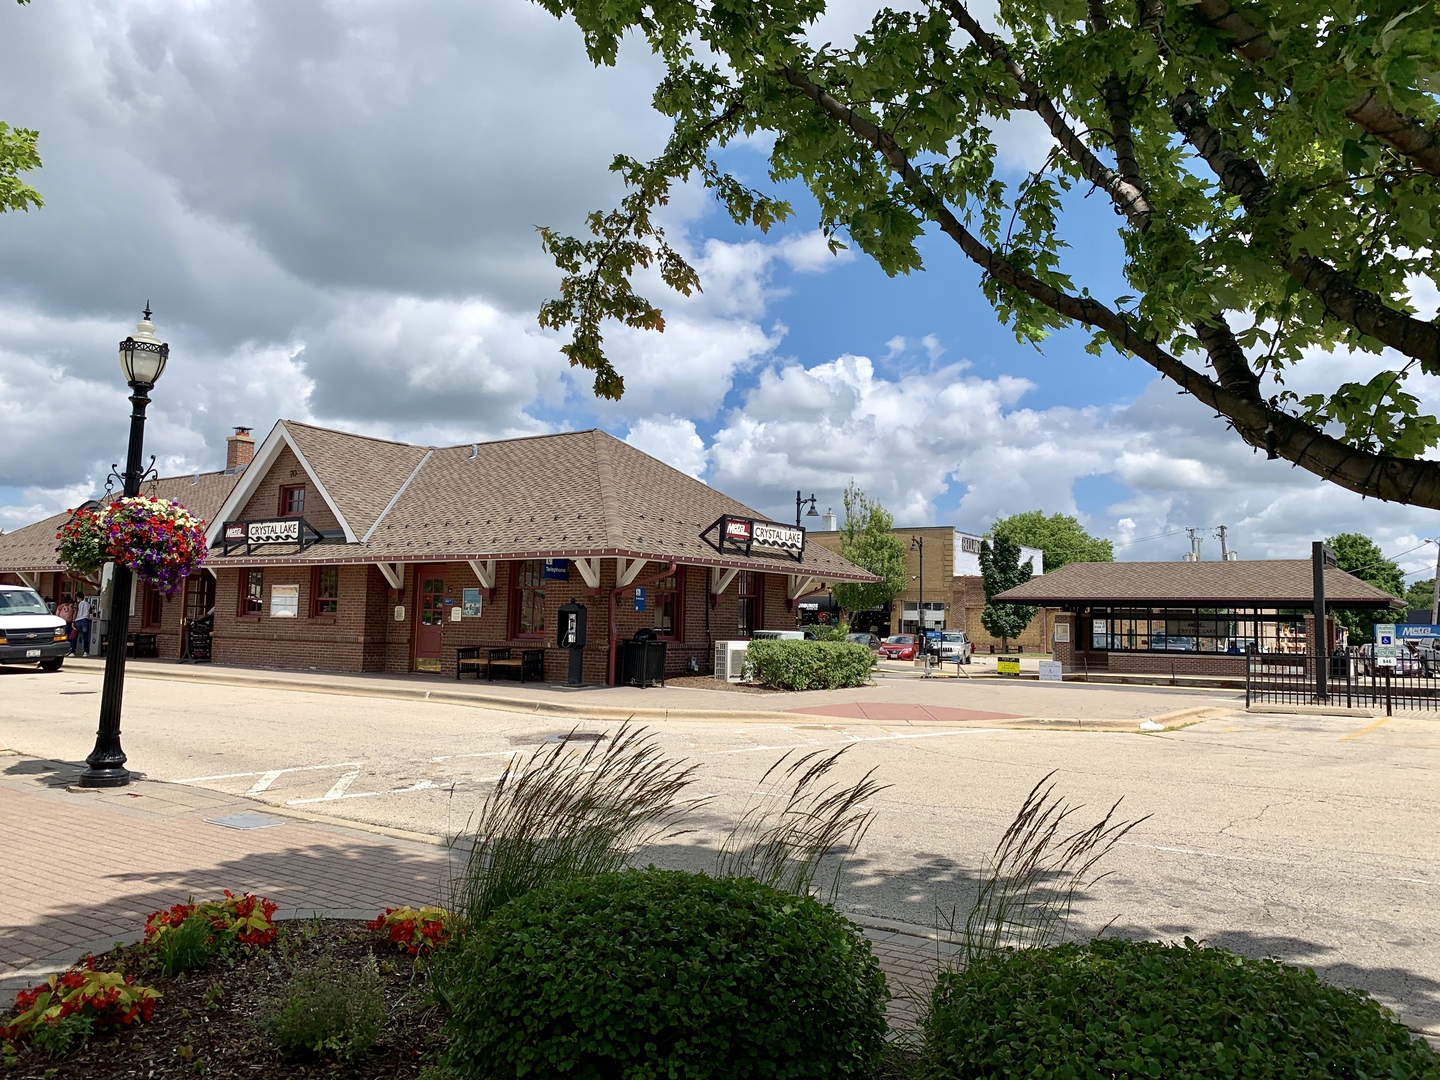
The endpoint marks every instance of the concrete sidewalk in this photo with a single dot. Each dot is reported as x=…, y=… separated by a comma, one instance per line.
x=84, y=869
x=893, y=696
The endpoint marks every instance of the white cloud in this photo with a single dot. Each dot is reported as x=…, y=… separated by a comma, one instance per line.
x=672, y=440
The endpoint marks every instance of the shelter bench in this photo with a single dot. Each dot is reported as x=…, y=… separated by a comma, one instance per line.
x=467, y=658
x=530, y=662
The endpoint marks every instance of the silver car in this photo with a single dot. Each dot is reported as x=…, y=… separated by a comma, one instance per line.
x=955, y=645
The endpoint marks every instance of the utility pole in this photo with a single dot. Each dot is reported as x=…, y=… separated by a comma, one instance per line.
x=1435, y=603
x=1224, y=551
x=1194, y=555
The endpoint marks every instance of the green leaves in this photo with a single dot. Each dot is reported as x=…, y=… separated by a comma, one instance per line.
x=660, y=973
x=808, y=665
x=867, y=540
x=1279, y=211
x=1001, y=569
x=1143, y=1009
x=18, y=153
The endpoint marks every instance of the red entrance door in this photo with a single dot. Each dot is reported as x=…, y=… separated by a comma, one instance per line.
x=429, y=616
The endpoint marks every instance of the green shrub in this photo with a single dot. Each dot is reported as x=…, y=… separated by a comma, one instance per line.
x=329, y=1010
x=189, y=946
x=1119, y=1008
x=808, y=665
x=659, y=973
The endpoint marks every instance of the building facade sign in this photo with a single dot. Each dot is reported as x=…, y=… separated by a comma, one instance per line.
x=739, y=535
x=265, y=532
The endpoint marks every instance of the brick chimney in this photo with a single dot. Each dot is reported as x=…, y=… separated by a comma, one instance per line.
x=239, y=450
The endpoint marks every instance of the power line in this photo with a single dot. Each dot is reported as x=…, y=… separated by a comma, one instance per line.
x=1143, y=539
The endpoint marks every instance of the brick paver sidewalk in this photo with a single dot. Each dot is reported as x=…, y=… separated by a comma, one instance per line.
x=81, y=870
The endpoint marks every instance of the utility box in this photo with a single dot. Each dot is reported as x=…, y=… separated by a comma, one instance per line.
x=730, y=660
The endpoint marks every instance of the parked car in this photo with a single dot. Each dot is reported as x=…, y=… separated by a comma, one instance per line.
x=870, y=641
x=1406, y=663
x=29, y=634
x=1172, y=643
x=955, y=645
x=899, y=647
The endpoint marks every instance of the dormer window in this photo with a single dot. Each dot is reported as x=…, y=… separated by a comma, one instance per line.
x=292, y=500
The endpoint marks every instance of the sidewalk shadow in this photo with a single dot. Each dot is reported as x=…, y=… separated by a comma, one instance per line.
x=351, y=877
x=47, y=773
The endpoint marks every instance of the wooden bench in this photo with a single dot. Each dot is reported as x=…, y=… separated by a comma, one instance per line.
x=467, y=658
x=530, y=662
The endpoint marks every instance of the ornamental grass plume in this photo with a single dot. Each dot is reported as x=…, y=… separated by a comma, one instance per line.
x=562, y=814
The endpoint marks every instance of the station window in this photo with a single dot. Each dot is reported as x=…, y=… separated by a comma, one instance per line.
x=252, y=592
x=292, y=500
x=527, y=599
x=669, y=620
x=152, y=607
x=325, y=590
x=751, y=602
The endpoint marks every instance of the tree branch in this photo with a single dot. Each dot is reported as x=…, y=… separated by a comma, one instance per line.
x=1411, y=138
x=1128, y=197
x=1376, y=475
x=1117, y=106
x=1342, y=299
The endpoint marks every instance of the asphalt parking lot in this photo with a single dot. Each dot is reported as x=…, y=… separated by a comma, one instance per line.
x=1309, y=838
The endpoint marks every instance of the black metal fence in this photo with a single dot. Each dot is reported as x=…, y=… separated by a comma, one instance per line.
x=1351, y=679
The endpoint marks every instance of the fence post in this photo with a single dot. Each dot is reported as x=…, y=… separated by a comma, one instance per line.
x=1247, y=681
x=1387, y=691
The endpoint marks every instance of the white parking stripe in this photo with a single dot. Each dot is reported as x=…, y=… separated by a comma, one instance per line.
x=265, y=781
x=342, y=785
x=278, y=772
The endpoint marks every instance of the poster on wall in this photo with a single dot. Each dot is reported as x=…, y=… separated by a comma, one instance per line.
x=470, y=603
x=557, y=569
x=284, y=601
x=1062, y=631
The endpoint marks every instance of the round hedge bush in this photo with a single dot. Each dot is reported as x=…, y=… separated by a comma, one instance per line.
x=662, y=973
x=1118, y=1008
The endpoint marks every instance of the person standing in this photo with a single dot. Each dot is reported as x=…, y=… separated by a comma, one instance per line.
x=80, y=640
x=66, y=611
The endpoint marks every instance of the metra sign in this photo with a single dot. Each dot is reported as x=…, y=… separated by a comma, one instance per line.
x=272, y=532
x=739, y=530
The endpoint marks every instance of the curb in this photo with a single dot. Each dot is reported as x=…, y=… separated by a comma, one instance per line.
x=1312, y=710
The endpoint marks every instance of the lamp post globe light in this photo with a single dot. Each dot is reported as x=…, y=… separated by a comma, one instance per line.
x=917, y=544
x=799, y=502
x=142, y=361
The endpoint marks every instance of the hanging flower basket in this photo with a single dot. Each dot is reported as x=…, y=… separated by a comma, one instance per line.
x=82, y=541
x=159, y=540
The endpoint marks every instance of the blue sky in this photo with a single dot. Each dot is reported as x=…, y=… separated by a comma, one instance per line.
x=332, y=211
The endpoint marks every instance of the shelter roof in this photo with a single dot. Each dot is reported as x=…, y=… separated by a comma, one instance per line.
x=1250, y=583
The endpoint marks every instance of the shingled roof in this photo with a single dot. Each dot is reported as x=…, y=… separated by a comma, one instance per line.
x=32, y=548
x=1251, y=583
x=571, y=495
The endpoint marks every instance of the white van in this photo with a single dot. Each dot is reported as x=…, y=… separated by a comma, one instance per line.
x=29, y=634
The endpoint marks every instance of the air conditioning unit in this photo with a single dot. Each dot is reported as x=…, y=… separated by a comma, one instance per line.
x=730, y=660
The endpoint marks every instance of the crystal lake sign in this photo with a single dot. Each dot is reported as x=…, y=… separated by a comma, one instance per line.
x=266, y=533
x=732, y=535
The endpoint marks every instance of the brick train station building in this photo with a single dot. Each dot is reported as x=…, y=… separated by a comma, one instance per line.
x=341, y=552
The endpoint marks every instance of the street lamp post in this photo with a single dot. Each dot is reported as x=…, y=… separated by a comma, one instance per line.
x=142, y=359
x=799, y=502
x=917, y=544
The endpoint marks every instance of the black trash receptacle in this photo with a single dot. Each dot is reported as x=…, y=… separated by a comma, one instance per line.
x=642, y=660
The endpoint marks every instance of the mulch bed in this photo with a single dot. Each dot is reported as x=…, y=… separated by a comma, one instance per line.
x=208, y=1021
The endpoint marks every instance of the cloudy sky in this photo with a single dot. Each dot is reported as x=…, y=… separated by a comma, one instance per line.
x=332, y=209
